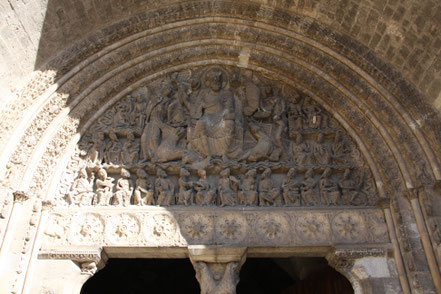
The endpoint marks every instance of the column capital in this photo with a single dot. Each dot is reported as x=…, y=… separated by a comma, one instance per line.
x=20, y=196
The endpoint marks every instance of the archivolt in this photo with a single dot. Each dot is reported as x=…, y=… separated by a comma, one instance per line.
x=285, y=47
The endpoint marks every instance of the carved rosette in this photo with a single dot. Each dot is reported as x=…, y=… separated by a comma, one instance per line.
x=376, y=226
x=272, y=228
x=231, y=228
x=348, y=226
x=313, y=227
x=123, y=229
x=160, y=229
x=87, y=229
x=197, y=228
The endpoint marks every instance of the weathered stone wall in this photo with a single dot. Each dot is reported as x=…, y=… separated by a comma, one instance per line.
x=405, y=33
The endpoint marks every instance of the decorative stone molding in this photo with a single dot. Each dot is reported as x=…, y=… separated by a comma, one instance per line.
x=343, y=259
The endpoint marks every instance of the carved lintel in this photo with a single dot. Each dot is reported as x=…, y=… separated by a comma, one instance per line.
x=217, y=269
x=344, y=259
x=20, y=196
x=84, y=257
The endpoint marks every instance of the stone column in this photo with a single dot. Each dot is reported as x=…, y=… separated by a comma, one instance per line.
x=370, y=270
x=425, y=240
x=16, y=213
x=217, y=269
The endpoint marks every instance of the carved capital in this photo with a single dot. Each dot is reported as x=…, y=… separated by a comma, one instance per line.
x=88, y=258
x=344, y=259
x=89, y=268
x=217, y=269
x=383, y=203
x=412, y=193
x=20, y=196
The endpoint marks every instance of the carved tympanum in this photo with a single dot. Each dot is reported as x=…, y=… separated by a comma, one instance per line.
x=216, y=136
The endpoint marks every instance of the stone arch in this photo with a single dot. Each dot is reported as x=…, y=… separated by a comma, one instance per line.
x=372, y=102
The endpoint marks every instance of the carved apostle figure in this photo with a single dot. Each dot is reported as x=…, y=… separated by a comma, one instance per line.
x=351, y=190
x=291, y=189
x=213, y=132
x=268, y=193
x=227, y=188
x=329, y=191
x=164, y=189
x=143, y=193
x=309, y=195
x=185, y=195
x=302, y=151
x=322, y=154
x=81, y=191
x=104, y=185
x=205, y=192
x=295, y=116
x=248, y=192
x=339, y=149
x=124, y=189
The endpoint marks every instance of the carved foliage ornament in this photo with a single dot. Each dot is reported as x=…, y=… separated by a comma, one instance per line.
x=216, y=137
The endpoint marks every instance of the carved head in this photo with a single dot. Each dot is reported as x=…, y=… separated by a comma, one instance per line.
x=347, y=173
x=100, y=136
x=202, y=174
x=291, y=173
x=140, y=173
x=161, y=173
x=326, y=172
x=130, y=136
x=320, y=138
x=82, y=173
x=299, y=139
x=125, y=173
x=184, y=172
x=251, y=173
x=225, y=173
x=215, y=79
x=266, y=173
x=309, y=173
x=102, y=174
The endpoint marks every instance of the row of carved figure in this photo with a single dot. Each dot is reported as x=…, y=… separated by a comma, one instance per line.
x=304, y=152
x=227, y=190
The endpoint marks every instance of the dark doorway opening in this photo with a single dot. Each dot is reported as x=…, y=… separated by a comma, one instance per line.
x=257, y=276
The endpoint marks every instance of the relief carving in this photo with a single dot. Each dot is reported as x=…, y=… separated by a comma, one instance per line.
x=216, y=136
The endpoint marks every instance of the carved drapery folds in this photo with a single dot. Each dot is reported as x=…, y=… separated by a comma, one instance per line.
x=216, y=136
